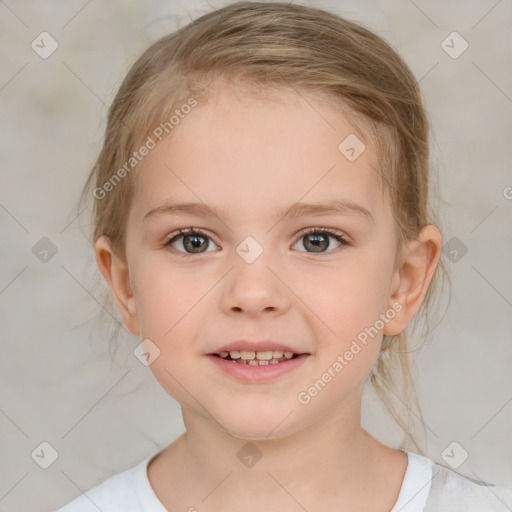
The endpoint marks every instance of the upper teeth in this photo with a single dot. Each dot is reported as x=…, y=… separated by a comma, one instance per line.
x=265, y=355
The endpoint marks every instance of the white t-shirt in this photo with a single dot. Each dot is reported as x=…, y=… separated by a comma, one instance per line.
x=427, y=487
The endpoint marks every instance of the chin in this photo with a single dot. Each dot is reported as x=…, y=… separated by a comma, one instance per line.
x=256, y=434
x=257, y=426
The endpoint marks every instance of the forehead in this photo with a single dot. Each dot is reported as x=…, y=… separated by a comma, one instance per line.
x=255, y=153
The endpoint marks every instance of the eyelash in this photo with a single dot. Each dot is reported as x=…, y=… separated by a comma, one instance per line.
x=310, y=231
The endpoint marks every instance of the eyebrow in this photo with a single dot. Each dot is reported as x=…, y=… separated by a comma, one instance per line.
x=295, y=210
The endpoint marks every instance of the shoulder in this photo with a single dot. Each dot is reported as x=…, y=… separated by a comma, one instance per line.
x=454, y=492
x=119, y=492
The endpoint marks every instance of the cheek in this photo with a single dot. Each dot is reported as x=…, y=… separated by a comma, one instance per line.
x=347, y=314
x=170, y=312
x=167, y=319
x=350, y=298
x=166, y=301
x=176, y=377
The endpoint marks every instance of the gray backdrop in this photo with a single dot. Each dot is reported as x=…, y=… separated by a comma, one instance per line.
x=95, y=416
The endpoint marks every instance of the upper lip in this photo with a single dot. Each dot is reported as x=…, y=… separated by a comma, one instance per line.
x=256, y=346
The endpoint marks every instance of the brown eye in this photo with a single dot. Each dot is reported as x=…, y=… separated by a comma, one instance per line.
x=317, y=240
x=193, y=241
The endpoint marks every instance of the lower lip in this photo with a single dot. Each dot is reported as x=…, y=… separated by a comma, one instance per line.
x=257, y=373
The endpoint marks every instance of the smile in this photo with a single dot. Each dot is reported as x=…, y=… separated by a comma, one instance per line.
x=252, y=370
x=262, y=358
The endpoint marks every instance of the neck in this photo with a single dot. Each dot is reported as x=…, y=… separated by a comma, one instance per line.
x=333, y=460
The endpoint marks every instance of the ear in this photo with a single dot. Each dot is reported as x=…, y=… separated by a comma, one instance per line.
x=415, y=270
x=116, y=273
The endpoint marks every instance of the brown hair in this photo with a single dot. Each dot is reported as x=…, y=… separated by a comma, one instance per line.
x=258, y=48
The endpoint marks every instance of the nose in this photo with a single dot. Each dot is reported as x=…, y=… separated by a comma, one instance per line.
x=255, y=288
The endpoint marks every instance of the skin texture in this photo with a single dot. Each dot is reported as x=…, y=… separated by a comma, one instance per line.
x=189, y=304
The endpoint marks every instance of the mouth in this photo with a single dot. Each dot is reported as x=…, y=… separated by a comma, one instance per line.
x=252, y=367
x=253, y=358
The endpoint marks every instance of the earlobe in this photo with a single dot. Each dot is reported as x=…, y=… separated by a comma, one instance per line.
x=412, y=279
x=116, y=274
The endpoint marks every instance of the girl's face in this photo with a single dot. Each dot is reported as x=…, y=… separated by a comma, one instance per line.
x=254, y=273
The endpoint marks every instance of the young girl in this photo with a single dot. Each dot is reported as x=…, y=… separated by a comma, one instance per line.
x=261, y=217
